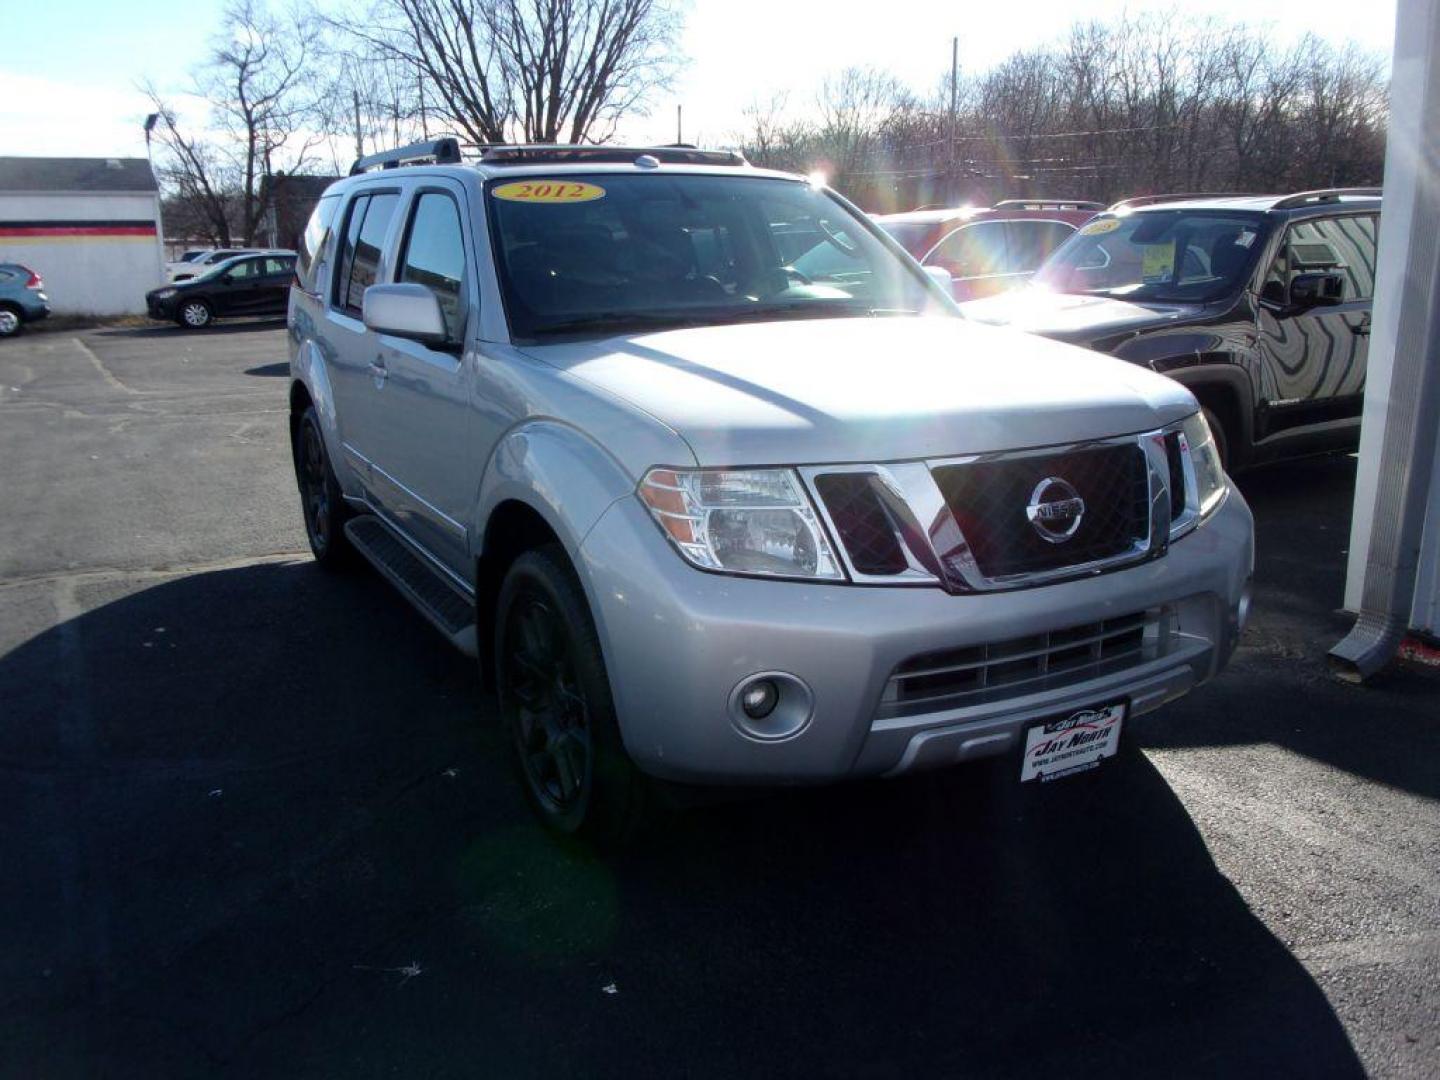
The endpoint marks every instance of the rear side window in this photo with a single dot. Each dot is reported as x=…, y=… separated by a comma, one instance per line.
x=973, y=251
x=435, y=254
x=309, y=267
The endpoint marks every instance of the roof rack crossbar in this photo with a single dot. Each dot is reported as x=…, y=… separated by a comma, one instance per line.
x=1048, y=204
x=444, y=151
x=599, y=154
x=1180, y=196
x=1325, y=195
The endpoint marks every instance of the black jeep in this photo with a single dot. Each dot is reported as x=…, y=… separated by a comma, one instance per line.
x=1260, y=304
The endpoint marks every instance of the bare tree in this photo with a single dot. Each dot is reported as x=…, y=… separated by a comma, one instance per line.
x=539, y=70
x=191, y=168
x=261, y=117
x=1142, y=104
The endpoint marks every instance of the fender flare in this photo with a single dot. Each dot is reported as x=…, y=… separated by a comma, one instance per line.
x=1225, y=375
x=557, y=471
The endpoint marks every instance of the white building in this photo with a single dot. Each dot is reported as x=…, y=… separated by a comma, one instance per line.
x=89, y=226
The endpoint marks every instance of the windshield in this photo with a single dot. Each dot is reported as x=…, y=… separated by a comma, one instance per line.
x=607, y=253
x=1165, y=255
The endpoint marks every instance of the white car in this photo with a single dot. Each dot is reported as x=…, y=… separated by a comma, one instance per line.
x=195, y=262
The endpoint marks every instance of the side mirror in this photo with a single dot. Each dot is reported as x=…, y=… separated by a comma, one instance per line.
x=1316, y=290
x=940, y=276
x=406, y=311
x=226, y=279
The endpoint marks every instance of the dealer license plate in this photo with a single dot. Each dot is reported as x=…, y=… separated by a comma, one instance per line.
x=1072, y=742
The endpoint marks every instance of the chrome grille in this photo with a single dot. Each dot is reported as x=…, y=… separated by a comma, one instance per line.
x=989, y=497
x=975, y=674
x=860, y=520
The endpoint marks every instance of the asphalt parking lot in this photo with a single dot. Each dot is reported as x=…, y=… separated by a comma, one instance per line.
x=254, y=821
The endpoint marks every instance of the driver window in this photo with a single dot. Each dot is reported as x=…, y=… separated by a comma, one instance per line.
x=972, y=251
x=244, y=270
x=435, y=255
x=1339, y=245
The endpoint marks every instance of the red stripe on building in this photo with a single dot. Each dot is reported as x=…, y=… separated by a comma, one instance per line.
x=76, y=230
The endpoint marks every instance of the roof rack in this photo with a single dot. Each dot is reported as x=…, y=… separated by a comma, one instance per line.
x=1325, y=195
x=1048, y=204
x=1183, y=196
x=599, y=155
x=444, y=151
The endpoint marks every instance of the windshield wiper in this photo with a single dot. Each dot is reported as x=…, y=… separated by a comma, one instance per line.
x=648, y=320
x=618, y=320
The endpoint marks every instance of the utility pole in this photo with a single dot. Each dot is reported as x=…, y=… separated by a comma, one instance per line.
x=953, y=193
x=679, y=127
x=359, y=138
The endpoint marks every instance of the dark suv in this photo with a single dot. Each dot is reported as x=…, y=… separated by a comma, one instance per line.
x=246, y=285
x=1259, y=304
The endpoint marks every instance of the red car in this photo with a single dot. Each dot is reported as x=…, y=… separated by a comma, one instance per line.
x=988, y=250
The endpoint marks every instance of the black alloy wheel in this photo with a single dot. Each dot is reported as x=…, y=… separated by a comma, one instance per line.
x=554, y=697
x=552, y=718
x=321, y=502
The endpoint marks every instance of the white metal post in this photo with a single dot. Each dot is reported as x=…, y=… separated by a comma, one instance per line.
x=1398, y=444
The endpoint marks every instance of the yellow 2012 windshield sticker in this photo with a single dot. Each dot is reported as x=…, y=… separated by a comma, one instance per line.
x=1104, y=225
x=548, y=191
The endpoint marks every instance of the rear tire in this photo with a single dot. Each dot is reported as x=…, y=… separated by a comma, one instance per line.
x=321, y=500
x=195, y=315
x=555, y=703
x=10, y=320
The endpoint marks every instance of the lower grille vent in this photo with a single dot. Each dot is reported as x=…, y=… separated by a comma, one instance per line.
x=978, y=673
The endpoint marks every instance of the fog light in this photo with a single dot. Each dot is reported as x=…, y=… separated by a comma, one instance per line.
x=770, y=706
x=759, y=698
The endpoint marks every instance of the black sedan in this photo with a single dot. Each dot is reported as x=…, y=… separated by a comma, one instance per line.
x=245, y=285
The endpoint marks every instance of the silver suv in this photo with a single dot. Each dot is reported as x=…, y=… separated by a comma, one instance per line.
x=719, y=487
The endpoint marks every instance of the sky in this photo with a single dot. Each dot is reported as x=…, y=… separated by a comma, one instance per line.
x=68, y=68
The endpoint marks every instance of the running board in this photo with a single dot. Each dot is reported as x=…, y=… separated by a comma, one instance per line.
x=437, y=598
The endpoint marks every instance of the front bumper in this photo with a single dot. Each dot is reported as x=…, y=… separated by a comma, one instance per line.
x=679, y=641
x=162, y=309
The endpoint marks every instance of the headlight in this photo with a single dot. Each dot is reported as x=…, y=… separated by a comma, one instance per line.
x=1198, y=445
x=755, y=521
x=165, y=294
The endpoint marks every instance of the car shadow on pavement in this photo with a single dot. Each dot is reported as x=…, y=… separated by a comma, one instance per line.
x=224, y=326
x=1278, y=688
x=270, y=371
x=262, y=822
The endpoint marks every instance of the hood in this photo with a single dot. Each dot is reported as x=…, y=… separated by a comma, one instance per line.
x=838, y=390
x=1074, y=317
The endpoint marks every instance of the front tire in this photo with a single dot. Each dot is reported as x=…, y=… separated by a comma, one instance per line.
x=321, y=500
x=195, y=315
x=555, y=702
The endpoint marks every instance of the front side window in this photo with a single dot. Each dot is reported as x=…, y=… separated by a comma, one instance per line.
x=1160, y=255
x=612, y=252
x=1029, y=243
x=246, y=269
x=1338, y=245
x=435, y=254
x=972, y=251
